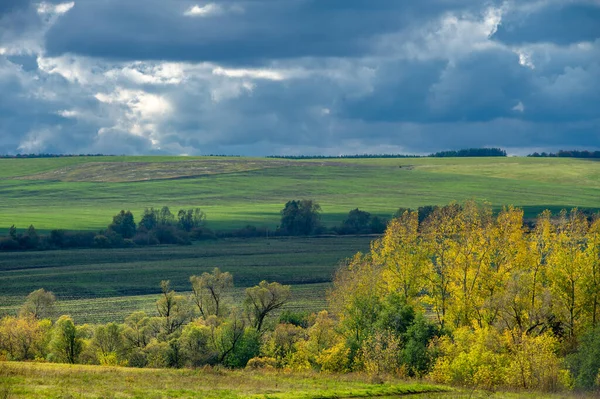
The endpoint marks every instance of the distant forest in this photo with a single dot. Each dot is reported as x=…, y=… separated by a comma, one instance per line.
x=567, y=154
x=469, y=152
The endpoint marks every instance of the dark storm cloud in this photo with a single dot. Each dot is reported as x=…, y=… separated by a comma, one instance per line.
x=562, y=23
x=257, y=77
x=246, y=31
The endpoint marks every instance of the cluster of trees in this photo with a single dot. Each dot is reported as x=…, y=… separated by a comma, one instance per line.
x=471, y=152
x=567, y=154
x=303, y=217
x=157, y=226
x=355, y=156
x=202, y=329
x=495, y=303
x=161, y=226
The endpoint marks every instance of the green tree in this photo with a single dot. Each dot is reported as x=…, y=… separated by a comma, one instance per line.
x=39, y=304
x=190, y=219
x=123, y=224
x=149, y=219
x=66, y=344
x=263, y=299
x=357, y=222
x=172, y=308
x=208, y=290
x=165, y=217
x=108, y=339
x=12, y=232
x=300, y=217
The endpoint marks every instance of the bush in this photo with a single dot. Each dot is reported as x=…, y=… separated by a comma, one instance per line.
x=145, y=238
x=471, y=358
x=9, y=244
x=166, y=234
x=262, y=363
x=416, y=353
x=300, y=319
x=335, y=359
x=585, y=363
x=101, y=241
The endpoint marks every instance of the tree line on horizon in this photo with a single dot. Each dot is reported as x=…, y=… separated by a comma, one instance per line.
x=466, y=297
x=567, y=154
x=469, y=152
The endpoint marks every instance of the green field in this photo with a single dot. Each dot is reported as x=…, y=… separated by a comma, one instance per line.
x=85, y=192
x=106, y=285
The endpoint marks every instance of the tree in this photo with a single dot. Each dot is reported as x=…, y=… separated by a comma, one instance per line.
x=123, y=224
x=66, y=344
x=12, y=232
x=190, y=219
x=263, y=299
x=567, y=266
x=23, y=338
x=300, y=217
x=357, y=222
x=208, y=289
x=39, y=304
x=149, y=219
x=108, y=339
x=165, y=217
x=172, y=308
x=592, y=271
x=401, y=254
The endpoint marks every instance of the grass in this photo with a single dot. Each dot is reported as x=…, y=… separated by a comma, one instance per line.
x=107, y=285
x=45, y=381
x=31, y=380
x=84, y=193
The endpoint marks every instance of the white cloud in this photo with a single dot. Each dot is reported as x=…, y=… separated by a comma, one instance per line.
x=251, y=73
x=149, y=73
x=68, y=113
x=54, y=9
x=450, y=37
x=525, y=59
x=519, y=107
x=74, y=69
x=203, y=11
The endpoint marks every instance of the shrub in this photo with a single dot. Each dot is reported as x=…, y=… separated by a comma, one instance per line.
x=262, y=363
x=335, y=359
x=471, y=358
x=9, y=244
x=533, y=362
x=585, y=363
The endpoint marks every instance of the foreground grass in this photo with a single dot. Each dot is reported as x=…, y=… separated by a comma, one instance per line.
x=84, y=193
x=98, y=286
x=34, y=380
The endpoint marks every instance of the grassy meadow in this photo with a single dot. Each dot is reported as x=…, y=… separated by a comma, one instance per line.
x=45, y=381
x=106, y=285
x=85, y=192
x=29, y=380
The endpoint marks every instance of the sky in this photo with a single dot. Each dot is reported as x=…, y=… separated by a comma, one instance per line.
x=291, y=77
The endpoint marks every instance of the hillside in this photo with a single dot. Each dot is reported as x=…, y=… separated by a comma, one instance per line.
x=85, y=192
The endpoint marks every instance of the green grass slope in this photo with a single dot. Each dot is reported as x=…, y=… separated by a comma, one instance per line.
x=84, y=193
